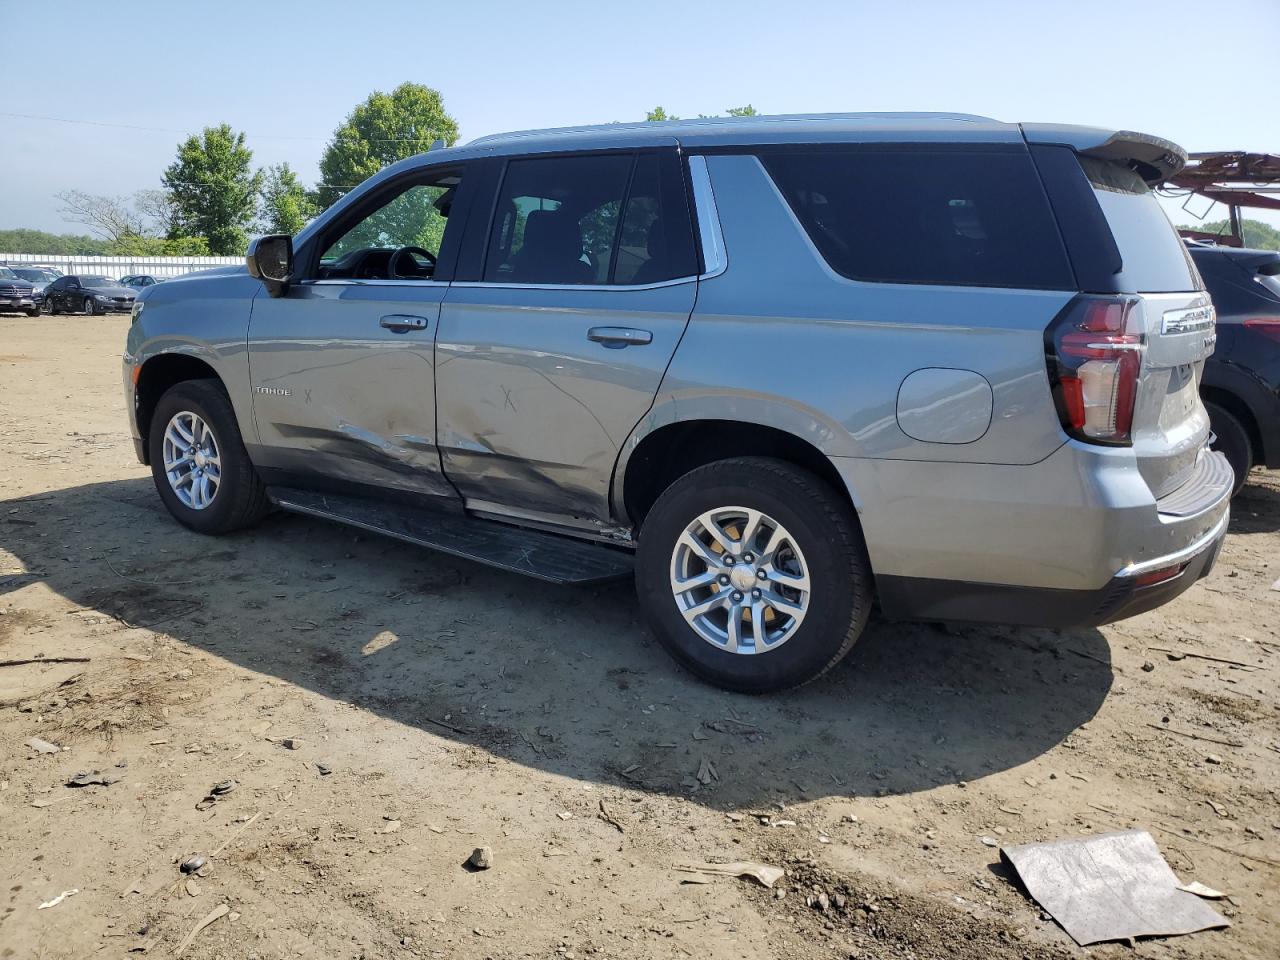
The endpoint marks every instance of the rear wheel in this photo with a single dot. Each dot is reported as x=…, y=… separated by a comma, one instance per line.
x=753, y=574
x=198, y=461
x=1232, y=441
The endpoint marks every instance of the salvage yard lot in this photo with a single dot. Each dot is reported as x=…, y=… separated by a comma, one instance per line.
x=385, y=710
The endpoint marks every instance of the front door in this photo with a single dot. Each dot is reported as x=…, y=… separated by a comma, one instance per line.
x=546, y=363
x=342, y=366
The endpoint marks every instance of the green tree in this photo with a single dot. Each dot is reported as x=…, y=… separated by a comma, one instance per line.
x=385, y=128
x=1259, y=235
x=140, y=246
x=214, y=189
x=657, y=113
x=747, y=111
x=286, y=205
x=23, y=240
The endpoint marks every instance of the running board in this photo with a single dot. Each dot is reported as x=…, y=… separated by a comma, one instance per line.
x=545, y=556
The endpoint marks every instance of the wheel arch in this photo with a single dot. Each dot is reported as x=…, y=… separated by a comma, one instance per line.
x=1238, y=408
x=158, y=374
x=656, y=459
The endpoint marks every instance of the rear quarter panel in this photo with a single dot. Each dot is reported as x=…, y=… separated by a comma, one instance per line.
x=780, y=339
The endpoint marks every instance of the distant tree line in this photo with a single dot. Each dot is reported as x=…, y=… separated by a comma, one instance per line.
x=1259, y=235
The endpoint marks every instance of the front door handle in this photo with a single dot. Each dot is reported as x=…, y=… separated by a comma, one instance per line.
x=615, y=338
x=402, y=322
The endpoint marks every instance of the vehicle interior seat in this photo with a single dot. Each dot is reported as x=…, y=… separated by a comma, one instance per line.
x=656, y=268
x=552, y=250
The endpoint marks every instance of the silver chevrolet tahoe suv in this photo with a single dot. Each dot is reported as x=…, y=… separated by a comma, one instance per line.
x=782, y=369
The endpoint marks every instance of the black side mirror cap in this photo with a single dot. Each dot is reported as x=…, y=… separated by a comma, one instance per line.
x=270, y=259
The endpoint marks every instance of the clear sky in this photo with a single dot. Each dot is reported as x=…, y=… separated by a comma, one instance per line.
x=287, y=73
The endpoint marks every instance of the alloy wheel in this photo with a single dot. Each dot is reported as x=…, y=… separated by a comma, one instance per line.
x=740, y=580
x=192, y=461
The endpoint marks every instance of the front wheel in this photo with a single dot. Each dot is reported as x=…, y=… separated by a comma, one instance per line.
x=33, y=312
x=1232, y=441
x=753, y=574
x=88, y=308
x=198, y=461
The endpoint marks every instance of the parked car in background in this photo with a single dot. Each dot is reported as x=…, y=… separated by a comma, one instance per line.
x=40, y=278
x=139, y=281
x=88, y=294
x=1241, y=385
x=17, y=293
x=776, y=368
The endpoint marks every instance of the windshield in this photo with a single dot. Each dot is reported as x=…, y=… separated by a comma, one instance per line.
x=7, y=274
x=39, y=276
x=95, y=281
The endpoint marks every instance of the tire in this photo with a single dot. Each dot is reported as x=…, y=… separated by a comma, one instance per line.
x=1232, y=440
x=88, y=307
x=33, y=312
x=52, y=306
x=828, y=547
x=239, y=498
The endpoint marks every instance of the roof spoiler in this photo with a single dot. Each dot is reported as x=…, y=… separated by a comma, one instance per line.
x=1152, y=158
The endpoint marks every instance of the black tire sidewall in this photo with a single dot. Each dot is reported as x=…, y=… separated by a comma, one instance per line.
x=195, y=396
x=1233, y=442
x=837, y=567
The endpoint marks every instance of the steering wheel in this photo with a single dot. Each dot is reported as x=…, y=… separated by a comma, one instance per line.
x=394, y=274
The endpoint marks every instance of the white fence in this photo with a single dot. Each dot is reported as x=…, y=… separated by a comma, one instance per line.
x=117, y=267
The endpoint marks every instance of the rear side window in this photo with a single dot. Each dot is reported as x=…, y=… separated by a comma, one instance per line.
x=967, y=217
x=605, y=219
x=1155, y=259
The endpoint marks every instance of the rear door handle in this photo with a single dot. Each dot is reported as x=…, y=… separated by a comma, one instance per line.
x=402, y=322
x=615, y=338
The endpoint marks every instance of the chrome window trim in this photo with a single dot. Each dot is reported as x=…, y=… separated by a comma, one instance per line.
x=418, y=284
x=610, y=287
x=715, y=259
x=356, y=282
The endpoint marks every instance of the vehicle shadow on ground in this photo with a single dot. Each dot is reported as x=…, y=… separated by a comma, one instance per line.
x=560, y=679
x=1256, y=508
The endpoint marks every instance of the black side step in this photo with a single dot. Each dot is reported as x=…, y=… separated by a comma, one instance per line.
x=545, y=556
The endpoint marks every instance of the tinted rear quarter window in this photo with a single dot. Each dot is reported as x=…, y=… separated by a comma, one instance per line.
x=965, y=216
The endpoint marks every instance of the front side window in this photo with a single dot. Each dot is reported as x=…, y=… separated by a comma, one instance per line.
x=969, y=217
x=607, y=219
x=399, y=240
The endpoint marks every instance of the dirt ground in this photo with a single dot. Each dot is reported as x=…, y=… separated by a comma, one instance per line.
x=384, y=710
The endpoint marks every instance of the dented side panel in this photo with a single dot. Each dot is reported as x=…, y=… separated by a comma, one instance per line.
x=336, y=393
x=532, y=412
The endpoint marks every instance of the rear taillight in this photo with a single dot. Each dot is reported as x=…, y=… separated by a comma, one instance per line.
x=1269, y=327
x=1093, y=350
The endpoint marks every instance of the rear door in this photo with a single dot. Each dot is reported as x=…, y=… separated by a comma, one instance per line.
x=550, y=352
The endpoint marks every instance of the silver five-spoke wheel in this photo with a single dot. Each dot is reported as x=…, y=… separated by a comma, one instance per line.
x=192, y=460
x=740, y=580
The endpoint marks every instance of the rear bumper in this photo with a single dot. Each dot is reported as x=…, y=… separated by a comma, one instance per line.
x=1125, y=595
x=1074, y=539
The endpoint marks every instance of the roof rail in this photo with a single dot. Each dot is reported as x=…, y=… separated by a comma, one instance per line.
x=656, y=125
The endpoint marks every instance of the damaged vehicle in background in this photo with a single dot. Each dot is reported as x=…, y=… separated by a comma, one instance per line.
x=1241, y=385
x=778, y=368
x=88, y=294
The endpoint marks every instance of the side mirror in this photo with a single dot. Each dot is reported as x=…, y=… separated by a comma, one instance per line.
x=270, y=259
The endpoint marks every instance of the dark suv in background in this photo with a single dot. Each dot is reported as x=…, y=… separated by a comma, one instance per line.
x=1241, y=385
